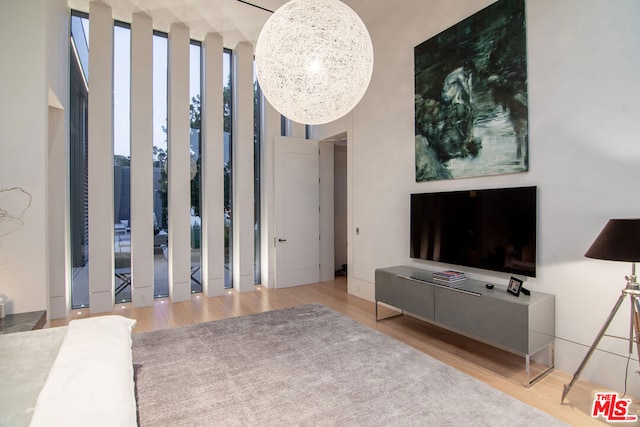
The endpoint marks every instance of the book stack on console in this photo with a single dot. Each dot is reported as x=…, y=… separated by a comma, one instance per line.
x=449, y=276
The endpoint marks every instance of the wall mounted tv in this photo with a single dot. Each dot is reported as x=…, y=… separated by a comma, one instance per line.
x=488, y=229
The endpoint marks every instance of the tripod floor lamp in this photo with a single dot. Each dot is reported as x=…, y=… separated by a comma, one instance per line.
x=619, y=240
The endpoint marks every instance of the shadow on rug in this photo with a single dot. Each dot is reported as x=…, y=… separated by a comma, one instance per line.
x=307, y=365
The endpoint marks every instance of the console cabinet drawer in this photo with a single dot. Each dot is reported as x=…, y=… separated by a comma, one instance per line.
x=489, y=319
x=409, y=295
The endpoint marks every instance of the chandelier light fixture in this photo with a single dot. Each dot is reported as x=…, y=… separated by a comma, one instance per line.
x=314, y=60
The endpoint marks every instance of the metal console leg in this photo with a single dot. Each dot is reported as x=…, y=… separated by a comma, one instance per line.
x=541, y=375
x=388, y=317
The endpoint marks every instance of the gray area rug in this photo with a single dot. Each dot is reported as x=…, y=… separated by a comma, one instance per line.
x=307, y=365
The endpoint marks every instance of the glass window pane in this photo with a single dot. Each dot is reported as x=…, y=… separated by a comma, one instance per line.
x=160, y=158
x=196, y=145
x=121, y=162
x=227, y=89
x=78, y=139
x=257, y=125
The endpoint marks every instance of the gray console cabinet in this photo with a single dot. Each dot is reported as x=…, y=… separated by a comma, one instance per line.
x=523, y=325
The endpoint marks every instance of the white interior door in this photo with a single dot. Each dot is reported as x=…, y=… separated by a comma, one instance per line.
x=297, y=216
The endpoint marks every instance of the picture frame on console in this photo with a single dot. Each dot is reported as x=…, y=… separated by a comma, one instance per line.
x=514, y=287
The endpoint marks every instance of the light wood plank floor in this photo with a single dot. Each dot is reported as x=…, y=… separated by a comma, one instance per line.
x=500, y=369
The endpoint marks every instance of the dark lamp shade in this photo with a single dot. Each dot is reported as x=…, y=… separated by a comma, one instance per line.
x=619, y=240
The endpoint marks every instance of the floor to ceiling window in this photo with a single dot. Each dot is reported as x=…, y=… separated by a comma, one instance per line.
x=228, y=155
x=160, y=171
x=122, y=161
x=257, y=126
x=78, y=139
x=195, y=86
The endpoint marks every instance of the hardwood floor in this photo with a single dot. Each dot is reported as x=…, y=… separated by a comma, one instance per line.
x=497, y=368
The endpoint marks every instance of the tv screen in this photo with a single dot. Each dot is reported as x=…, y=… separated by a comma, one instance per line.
x=487, y=229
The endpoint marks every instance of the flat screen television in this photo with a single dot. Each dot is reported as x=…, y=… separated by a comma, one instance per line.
x=487, y=229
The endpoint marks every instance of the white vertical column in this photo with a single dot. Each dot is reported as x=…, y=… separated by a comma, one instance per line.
x=58, y=212
x=101, y=269
x=297, y=130
x=270, y=129
x=212, y=198
x=142, y=160
x=243, y=199
x=179, y=165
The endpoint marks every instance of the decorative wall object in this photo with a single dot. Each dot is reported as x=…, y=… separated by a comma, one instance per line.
x=13, y=204
x=471, y=109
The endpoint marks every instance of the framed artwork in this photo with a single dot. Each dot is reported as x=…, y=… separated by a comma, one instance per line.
x=514, y=286
x=471, y=108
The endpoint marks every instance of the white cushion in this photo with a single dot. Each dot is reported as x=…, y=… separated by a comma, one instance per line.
x=91, y=381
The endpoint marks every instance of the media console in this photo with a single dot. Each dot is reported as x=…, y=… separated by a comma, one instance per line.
x=523, y=325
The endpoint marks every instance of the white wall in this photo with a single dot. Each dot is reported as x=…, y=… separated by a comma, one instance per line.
x=24, y=90
x=583, y=112
x=58, y=157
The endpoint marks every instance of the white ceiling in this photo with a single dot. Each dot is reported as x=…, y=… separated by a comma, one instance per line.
x=234, y=20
